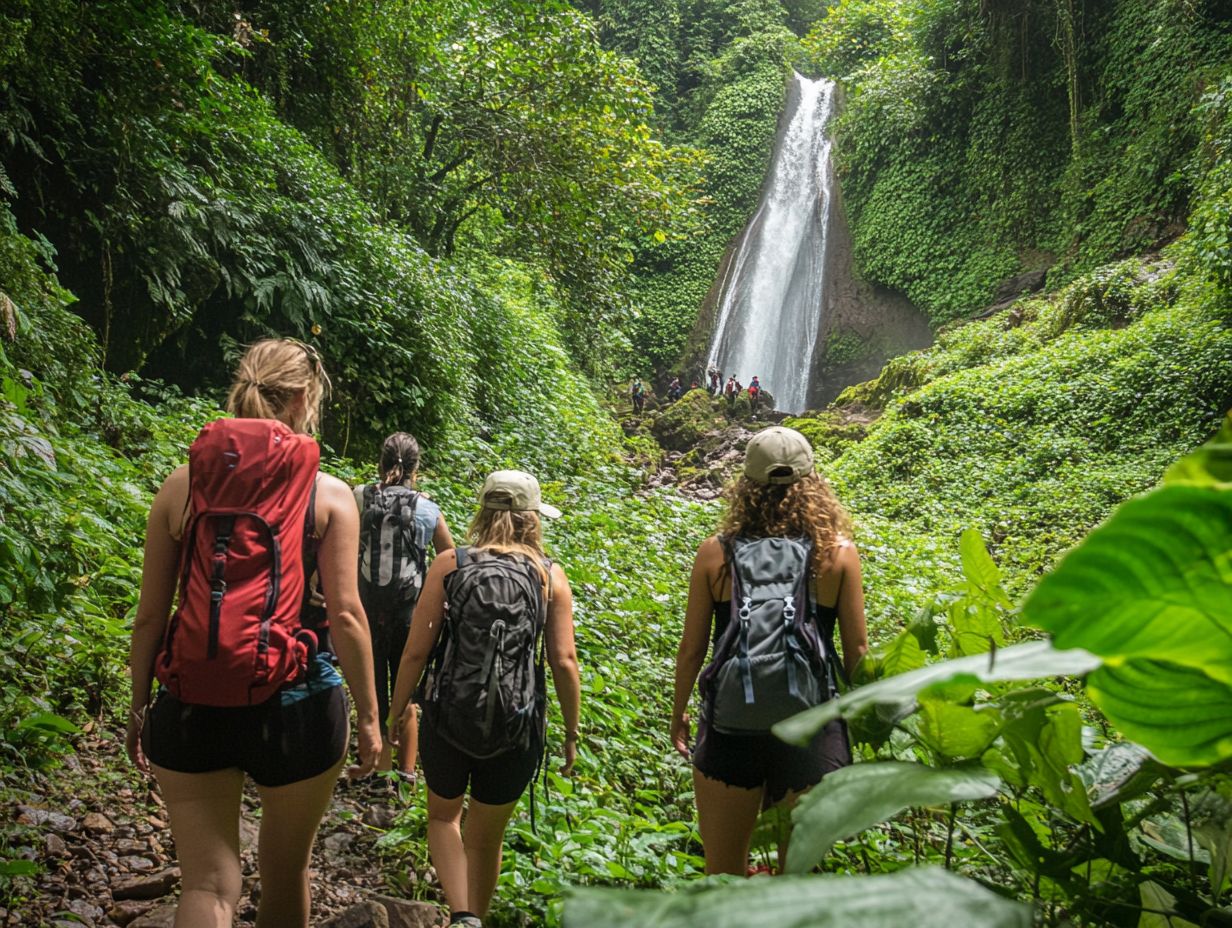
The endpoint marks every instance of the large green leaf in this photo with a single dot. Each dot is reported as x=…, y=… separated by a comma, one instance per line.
x=920, y=898
x=1178, y=713
x=1154, y=582
x=1029, y=661
x=1118, y=773
x=1209, y=466
x=979, y=569
x=855, y=798
x=954, y=731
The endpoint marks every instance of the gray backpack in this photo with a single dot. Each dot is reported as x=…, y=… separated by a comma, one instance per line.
x=484, y=689
x=392, y=562
x=770, y=662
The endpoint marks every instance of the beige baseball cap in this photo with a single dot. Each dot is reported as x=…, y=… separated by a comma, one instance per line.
x=778, y=449
x=521, y=490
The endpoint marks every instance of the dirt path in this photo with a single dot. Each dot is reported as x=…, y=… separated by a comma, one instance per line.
x=97, y=829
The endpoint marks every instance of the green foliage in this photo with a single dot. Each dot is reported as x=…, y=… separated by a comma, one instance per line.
x=854, y=798
x=982, y=139
x=924, y=898
x=1148, y=592
x=1032, y=424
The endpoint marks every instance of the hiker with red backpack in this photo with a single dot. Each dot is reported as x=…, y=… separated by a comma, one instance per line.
x=768, y=591
x=246, y=688
x=397, y=524
x=488, y=616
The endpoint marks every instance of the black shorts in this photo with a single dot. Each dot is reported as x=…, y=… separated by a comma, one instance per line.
x=494, y=781
x=751, y=761
x=274, y=744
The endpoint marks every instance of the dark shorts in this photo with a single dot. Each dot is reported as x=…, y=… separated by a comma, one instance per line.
x=389, y=632
x=273, y=743
x=751, y=761
x=494, y=781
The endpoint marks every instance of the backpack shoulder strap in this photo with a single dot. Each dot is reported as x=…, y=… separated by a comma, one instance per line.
x=461, y=555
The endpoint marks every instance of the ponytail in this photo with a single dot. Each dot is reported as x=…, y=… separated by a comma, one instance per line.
x=399, y=458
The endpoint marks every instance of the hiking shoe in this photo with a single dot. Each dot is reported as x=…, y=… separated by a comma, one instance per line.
x=467, y=921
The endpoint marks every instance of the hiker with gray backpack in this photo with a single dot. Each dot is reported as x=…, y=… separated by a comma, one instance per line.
x=489, y=618
x=768, y=591
x=397, y=524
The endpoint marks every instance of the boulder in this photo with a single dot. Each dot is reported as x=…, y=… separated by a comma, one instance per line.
x=1014, y=287
x=367, y=914
x=684, y=423
x=405, y=913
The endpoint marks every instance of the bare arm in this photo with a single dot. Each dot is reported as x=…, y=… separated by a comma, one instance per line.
x=851, y=624
x=562, y=658
x=348, y=625
x=695, y=639
x=425, y=630
x=441, y=539
x=158, y=579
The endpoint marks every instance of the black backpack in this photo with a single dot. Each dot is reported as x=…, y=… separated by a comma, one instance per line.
x=484, y=688
x=770, y=662
x=392, y=563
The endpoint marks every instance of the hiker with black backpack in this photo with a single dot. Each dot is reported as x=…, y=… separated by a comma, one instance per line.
x=768, y=591
x=246, y=687
x=488, y=616
x=397, y=523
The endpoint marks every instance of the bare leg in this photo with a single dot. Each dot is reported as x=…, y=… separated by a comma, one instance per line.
x=204, y=809
x=789, y=803
x=726, y=816
x=409, y=741
x=445, y=848
x=484, y=839
x=290, y=816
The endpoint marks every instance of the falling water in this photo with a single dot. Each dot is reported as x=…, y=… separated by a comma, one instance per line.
x=771, y=303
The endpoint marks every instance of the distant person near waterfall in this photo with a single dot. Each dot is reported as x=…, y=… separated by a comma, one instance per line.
x=637, y=394
x=730, y=390
x=754, y=393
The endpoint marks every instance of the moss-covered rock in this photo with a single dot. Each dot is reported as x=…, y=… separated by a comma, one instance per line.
x=686, y=422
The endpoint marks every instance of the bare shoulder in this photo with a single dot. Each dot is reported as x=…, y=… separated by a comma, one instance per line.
x=710, y=551
x=559, y=577
x=331, y=489
x=171, y=501
x=444, y=562
x=846, y=555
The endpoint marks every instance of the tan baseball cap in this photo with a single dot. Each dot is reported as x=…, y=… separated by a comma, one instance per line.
x=778, y=449
x=519, y=492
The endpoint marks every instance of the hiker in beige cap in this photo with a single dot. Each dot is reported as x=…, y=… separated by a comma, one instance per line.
x=768, y=590
x=477, y=627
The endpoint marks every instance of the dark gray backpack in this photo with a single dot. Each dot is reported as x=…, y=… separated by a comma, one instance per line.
x=392, y=562
x=484, y=689
x=769, y=663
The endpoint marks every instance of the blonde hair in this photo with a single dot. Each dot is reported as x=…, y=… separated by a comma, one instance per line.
x=807, y=508
x=272, y=373
x=506, y=531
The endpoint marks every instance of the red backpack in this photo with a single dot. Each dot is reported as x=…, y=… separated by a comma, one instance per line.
x=235, y=638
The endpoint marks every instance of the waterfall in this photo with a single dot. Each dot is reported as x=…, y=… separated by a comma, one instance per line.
x=771, y=304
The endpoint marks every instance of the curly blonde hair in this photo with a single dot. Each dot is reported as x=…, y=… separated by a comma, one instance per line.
x=807, y=508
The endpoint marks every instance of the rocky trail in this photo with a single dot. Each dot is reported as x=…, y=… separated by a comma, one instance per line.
x=97, y=830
